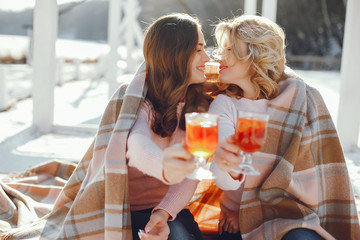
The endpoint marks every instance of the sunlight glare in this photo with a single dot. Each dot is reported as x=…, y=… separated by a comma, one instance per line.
x=19, y=5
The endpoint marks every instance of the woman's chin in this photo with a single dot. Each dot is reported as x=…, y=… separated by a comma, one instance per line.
x=223, y=81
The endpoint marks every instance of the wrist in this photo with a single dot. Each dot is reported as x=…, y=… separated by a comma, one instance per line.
x=162, y=213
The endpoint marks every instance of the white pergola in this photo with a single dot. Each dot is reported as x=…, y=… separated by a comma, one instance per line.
x=128, y=33
x=45, y=32
x=44, y=62
x=269, y=8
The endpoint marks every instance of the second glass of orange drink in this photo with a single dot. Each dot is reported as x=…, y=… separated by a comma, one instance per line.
x=250, y=136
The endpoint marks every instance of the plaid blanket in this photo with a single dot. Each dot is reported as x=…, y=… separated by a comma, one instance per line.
x=27, y=197
x=304, y=180
x=93, y=203
x=47, y=203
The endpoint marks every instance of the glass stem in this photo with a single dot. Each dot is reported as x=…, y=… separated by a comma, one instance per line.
x=247, y=158
x=201, y=162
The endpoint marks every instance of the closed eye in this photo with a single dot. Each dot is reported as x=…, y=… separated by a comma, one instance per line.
x=200, y=47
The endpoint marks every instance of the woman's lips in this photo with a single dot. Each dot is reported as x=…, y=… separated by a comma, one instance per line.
x=222, y=67
x=201, y=68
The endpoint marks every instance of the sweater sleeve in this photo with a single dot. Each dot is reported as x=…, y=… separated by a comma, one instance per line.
x=224, y=107
x=143, y=153
x=223, y=179
x=177, y=197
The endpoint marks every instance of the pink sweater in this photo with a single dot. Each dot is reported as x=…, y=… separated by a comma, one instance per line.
x=227, y=108
x=147, y=187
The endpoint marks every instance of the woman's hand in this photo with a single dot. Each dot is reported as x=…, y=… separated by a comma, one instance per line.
x=177, y=163
x=157, y=227
x=227, y=155
x=229, y=222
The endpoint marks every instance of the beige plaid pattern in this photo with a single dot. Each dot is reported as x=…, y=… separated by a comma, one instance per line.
x=304, y=180
x=94, y=202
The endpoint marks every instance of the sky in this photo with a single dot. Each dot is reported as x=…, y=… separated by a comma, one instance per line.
x=18, y=5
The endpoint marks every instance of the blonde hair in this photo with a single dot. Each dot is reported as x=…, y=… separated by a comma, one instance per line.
x=265, y=42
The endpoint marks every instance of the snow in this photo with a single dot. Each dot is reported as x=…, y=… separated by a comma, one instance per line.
x=80, y=99
x=79, y=104
x=18, y=46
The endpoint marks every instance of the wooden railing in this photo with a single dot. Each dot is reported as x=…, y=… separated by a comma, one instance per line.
x=314, y=62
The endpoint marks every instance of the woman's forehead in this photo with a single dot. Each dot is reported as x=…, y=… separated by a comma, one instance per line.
x=201, y=39
x=225, y=40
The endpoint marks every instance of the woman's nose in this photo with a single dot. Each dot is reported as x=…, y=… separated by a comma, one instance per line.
x=206, y=57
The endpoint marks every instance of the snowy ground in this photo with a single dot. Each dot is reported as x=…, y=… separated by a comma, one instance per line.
x=81, y=103
x=78, y=107
x=18, y=46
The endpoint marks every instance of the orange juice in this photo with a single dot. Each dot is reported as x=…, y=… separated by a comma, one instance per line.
x=201, y=137
x=250, y=134
x=212, y=71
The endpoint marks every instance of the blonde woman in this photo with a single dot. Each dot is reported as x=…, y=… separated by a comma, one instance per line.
x=303, y=191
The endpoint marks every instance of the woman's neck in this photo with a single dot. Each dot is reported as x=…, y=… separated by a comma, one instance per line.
x=249, y=90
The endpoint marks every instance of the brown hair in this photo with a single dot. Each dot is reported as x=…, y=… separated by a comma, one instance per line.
x=169, y=45
x=266, y=48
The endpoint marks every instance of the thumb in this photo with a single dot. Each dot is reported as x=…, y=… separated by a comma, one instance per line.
x=231, y=139
x=151, y=223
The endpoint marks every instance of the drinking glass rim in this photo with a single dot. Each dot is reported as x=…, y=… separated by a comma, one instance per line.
x=205, y=115
x=253, y=115
x=212, y=63
x=202, y=114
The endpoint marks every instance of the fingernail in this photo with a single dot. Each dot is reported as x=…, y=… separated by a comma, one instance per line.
x=147, y=229
x=140, y=234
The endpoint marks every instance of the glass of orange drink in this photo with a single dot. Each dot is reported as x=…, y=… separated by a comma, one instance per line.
x=201, y=140
x=212, y=70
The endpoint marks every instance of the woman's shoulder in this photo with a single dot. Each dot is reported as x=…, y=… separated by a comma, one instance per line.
x=222, y=103
x=147, y=106
x=222, y=98
x=225, y=99
x=294, y=84
x=146, y=109
x=290, y=77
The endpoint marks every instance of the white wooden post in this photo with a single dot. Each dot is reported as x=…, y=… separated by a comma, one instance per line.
x=348, y=113
x=130, y=20
x=250, y=7
x=29, y=54
x=44, y=63
x=59, y=71
x=3, y=90
x=77, y=63
x=113, y=41
x=269, y=8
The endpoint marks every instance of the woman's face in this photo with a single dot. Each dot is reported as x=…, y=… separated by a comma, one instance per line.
x=198, y=61
x=233, y=70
